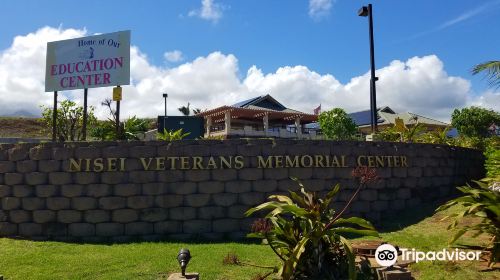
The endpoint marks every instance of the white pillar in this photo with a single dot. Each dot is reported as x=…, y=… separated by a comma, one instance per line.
x=227, y=121
x=298, y=128
x=266, y=123
x=209, y=126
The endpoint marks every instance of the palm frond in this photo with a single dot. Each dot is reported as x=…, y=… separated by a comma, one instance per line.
x=491, y=70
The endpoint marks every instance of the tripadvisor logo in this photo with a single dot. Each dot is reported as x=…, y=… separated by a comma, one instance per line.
x=387, y=255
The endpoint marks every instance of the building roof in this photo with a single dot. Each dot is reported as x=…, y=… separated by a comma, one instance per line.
x=257, y=107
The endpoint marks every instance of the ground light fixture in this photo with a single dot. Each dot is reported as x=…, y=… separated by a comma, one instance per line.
x=183, y=258
x=366, y=11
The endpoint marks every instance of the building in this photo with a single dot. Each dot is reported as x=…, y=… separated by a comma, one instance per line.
x=261, y=116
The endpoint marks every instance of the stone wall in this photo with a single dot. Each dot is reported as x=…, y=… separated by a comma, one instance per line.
x=41, y=199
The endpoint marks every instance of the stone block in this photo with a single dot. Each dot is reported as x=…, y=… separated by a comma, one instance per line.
x=19, y=216
x=225, y=199
x=250, y=174
x=113, y=178
x=394, y=183
x=46, y=190
x=7, y=166
x=237, y=187
x=127, y=189
x=196, y=200
x=47, y=166
x=83, y=203
x=167, y=227
x=132, y=164
x=400, y=172
x=196, y=226
x=397, y=204
x=87, y=152
x=96, y=216
x=154, y=188
x=13, y=179
x=98, y=190
x=39, y=153
x=314, y=185
x=26, y=166
x=112, y=202
x=300, y=173
x=288, y=185
x=197, y=175
x=246, y=224
x=415, y=172
x=224, y=174
x=360, y=206
x=18, y=153
x=140, y=202
x=139, y=228
x=23, y=190
x=55, y=230
x=33, y=203
x=169, y=176
x=210, y=187
x=44, y=216
x=343, y=173
x=109, y=229
x=182, y=188
x=72, y=190
x=36, y=178
x=368, y=195
x=81, y=229
x=86, y=178
x=380, y=205
x=30, y=229
x=5, y=191
x=237, y=211
x=142, y=176
x=182, y=213
x=404, y=193
x=2, y=181
x=69, y=216
x=143, y=152
x=249, y=150
x=211, y=212
x=153, y=214
x=169, y=201
x=323, y=173
x=226, y=225
x=251, y=199
x=60, y=178
x=58, y=203
x=115, y=152
x=387, y=195
x=124, y=215
x=8, y=229
x=410, y=182
x=265, y=186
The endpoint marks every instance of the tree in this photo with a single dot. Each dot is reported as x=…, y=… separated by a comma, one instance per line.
x=196, y=111
x=69, y=120
x=185, y=110
x=491, y=70
x=474, y=121
x=337, y=125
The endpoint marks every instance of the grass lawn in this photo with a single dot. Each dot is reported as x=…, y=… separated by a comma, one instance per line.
x=21, y=259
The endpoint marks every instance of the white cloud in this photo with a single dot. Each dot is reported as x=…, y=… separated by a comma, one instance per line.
x=209, y=10
x=419, y=85
x=320, y=8
x=173, y=56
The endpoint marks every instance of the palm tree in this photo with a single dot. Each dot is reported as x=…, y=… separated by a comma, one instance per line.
x=196, y=111
x=185, y=110
x=491, y=70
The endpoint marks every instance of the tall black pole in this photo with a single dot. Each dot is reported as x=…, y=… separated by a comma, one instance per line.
x=54, y=118
x=84, y=128
x=373, y=79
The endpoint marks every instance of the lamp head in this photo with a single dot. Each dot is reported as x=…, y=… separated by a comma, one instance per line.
x=165, y=95
x=363, y=12
x=183, y=258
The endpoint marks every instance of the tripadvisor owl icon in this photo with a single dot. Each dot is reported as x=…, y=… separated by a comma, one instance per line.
x=386, y=255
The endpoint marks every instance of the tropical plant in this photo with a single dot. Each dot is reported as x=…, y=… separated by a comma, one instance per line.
x=337, y=125
x=185, y=110
x=69, y=120
x=438, y=136
x=491, y=70
x=402, y=133
x=196, y=111
x=308, y=235
x=171, y=135
x=481, y=201
x=492, y=155
x=474, y=121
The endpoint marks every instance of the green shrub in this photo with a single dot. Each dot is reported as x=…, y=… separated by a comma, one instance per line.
x=171, y=135
x=337, y=125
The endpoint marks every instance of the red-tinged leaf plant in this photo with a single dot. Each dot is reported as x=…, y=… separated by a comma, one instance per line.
x=308, y=235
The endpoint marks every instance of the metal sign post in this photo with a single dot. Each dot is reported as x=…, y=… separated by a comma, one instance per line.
x=54, y=118
x=117, y=96
x=84, y=128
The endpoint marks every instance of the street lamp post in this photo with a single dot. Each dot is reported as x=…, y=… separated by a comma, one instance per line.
x=366, y=11
x=165, y=95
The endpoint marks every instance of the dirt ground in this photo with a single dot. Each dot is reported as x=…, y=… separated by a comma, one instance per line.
x=23, y=127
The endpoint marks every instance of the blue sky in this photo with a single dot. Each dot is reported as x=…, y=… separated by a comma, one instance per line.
x=328, y=38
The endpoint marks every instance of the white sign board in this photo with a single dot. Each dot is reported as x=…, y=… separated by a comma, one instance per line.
x=88, y=62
